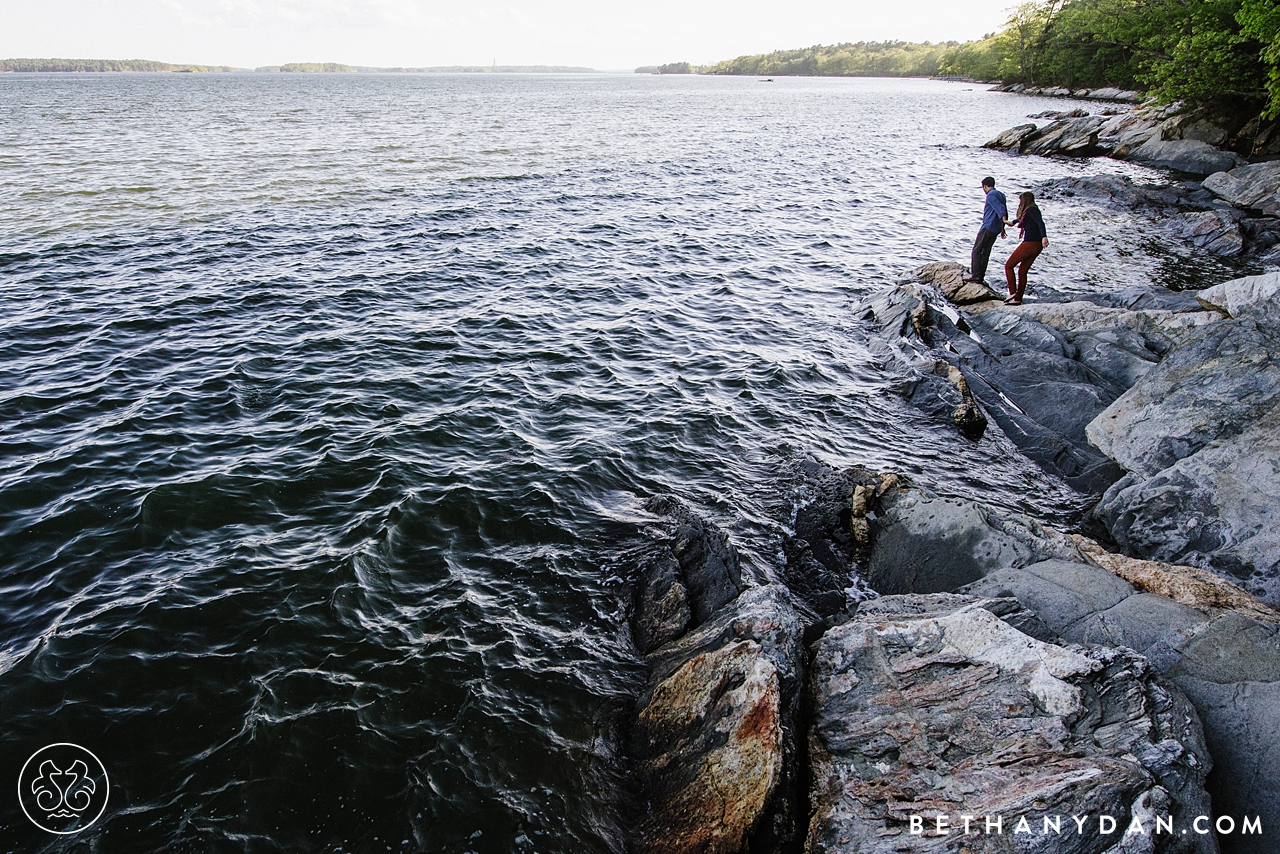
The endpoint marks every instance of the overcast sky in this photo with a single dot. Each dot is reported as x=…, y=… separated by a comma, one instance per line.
x=601, y=34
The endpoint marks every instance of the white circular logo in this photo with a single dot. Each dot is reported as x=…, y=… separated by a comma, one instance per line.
x=63, y=788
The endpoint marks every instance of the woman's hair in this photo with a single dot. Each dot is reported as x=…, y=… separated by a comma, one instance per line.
x=1026, y=200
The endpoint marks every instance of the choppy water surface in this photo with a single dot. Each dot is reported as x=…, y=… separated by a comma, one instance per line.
x=325, y=402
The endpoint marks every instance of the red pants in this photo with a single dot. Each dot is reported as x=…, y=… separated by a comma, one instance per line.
x=1027, y=251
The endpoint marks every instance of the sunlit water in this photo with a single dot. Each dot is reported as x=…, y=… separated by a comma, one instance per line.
x=327, y=401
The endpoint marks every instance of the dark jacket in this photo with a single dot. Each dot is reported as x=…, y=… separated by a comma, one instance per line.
x=1032, y=225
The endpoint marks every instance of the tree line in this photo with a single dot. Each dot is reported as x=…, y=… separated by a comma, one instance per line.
x=851, y=59
x=100, y=65
x=1221, y=53
x=1218, y=53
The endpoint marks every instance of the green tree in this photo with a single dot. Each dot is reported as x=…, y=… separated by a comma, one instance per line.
x=1260, y=20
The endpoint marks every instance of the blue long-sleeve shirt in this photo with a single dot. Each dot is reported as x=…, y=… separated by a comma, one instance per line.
x=995, y=211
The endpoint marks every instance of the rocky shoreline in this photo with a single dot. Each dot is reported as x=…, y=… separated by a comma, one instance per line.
x=915, y=659
x=1228, y=200
x=915, y=663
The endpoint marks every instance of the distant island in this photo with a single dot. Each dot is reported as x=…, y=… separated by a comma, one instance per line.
x=147, y=65
x=338, y=68
x=103, y=65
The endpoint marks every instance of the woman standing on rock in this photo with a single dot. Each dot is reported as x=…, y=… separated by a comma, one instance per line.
x=1034, y=241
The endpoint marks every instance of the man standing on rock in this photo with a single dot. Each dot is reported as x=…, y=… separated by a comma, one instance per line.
x=993, y=216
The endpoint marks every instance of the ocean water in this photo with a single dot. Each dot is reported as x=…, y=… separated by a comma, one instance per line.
x=327, y=403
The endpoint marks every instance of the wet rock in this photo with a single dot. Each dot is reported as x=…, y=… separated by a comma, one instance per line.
x=714, y=745
x=1185, y=155
x=1216, y=232
x=1121, y=192
x=1042, y=385
x=709, y=575
x=830, y=534
x=933, y=706
x=660, y=611
x=1074, y=137
x=1013, y=138
x=1031, y=382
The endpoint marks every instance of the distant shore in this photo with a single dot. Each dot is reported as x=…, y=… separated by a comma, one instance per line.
x=100, y=66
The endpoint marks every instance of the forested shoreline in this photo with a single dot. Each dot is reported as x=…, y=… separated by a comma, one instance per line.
x=1220, y=54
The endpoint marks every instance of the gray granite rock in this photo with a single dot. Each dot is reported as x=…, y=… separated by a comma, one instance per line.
x=1197, y=435
x=1185, y=155
x=1217, y=508
x=1253, y=297
x=925, y=544
x=1226, y=662
x=1255, y=186
x=934, y=707
x=1209, y=388
x=1013, y=138
x=1074, y=137
x=1041, y=372
x=1124, y=134
x=1215, y=232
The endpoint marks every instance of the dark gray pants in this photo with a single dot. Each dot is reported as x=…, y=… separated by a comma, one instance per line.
x=982, y=254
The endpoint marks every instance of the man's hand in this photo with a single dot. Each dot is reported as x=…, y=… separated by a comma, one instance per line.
x=1044, y=244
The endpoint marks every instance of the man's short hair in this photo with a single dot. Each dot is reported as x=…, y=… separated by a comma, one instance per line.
x=989, y=182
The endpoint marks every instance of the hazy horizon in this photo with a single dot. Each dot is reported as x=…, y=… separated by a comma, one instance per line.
x=431, y=33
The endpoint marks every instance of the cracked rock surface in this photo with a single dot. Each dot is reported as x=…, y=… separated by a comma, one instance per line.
x=934, y=706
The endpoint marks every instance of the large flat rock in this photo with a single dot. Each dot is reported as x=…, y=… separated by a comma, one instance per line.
x=933, y=707
x=1227, y=663
x=1220, y=645
x=925, y=544
x=1217, y=508
x=1207, y=389
x=1192, y=156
